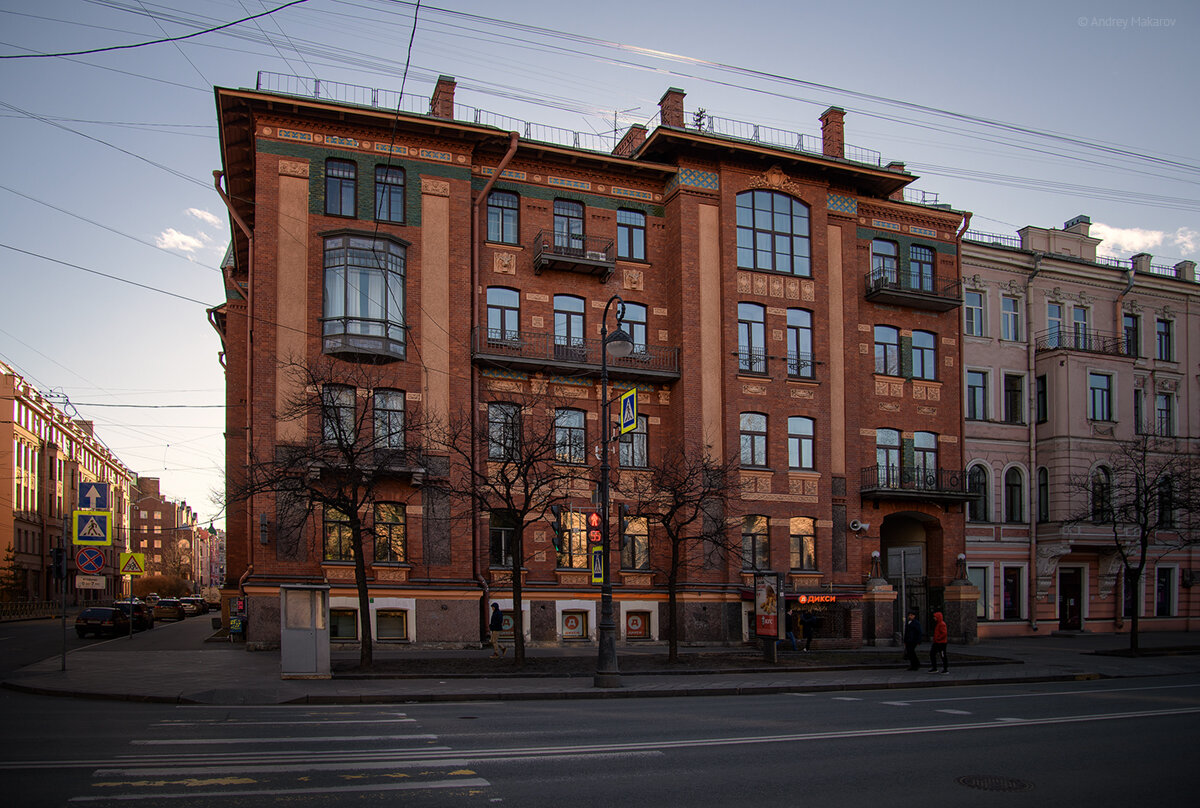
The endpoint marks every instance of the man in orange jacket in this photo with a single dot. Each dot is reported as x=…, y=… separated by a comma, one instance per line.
x=940, y=637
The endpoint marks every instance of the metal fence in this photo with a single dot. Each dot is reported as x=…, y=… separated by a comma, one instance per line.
x=29, y=609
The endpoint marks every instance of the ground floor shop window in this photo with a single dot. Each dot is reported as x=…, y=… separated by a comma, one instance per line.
x=1164, y=601
x=391, y=624
x=980, y=578
x=343, y=624
x=637, y=625
x=575, y=625
x=1014, y=592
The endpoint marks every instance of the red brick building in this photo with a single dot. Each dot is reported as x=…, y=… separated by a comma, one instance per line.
x=787, y=303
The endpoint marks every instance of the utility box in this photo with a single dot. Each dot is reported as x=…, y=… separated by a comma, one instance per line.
x=304, y=631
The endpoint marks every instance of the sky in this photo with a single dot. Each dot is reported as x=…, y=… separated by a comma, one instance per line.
x=111, y=233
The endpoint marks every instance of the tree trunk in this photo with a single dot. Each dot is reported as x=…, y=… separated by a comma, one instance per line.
x=518, y=615
x=366, y=654
x=673, y=605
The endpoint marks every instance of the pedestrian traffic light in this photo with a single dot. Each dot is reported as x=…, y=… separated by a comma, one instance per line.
x=58, y=562
x=556, y=526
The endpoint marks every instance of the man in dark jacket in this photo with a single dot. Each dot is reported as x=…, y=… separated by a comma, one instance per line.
x=912, y=638
x=939, y=639
x=494, y=626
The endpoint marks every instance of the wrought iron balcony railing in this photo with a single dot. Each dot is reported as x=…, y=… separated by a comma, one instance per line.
x=909, y=482
x=531, y=349
x=589, y=255
x=1086, y=340
x=920, y=290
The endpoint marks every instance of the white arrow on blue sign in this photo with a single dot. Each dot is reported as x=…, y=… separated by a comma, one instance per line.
x=93, y=496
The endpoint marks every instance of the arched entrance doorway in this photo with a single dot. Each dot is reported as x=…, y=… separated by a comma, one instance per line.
x=909, y=544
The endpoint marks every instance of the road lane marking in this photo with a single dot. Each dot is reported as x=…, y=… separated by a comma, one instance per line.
x=305, y=739
x=236, y=723
x=476, y=782
x=954, y=712
x=897, y=703
x=1056, y=693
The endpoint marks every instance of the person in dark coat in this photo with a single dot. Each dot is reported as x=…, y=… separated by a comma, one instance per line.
x=940, y=638
x=789, y=623
x=494, y=626
x=808, y=624
x=912, y=638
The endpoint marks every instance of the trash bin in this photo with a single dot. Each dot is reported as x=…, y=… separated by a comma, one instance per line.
x=216, y=623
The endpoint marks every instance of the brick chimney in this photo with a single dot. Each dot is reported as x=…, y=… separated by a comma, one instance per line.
x=634, y=137
x=1080, y=224
x=833, y=132
x=441, y=105
x=670, y=108
x=1186, y=270
x=1141, y=263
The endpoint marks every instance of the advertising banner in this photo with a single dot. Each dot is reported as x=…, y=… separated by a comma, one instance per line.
x=767, y=602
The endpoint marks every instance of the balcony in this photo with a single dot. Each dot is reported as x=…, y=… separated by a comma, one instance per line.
x=905, y=482
x=1087, y=341
x=585, y=255
x=524, y=350
x=915, y=290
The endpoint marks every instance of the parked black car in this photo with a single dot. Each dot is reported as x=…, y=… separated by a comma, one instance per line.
x=101, y=621
x=143, y=615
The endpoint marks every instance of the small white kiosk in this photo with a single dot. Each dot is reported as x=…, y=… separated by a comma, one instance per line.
x=304, y=631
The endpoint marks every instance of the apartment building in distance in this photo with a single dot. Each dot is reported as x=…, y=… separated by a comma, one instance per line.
x=169, y=533
x=1066, y=354
x=792, y=303
x=46, y=455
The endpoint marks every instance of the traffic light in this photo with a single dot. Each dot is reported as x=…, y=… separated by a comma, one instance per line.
x=58, y=562
x=556, y=525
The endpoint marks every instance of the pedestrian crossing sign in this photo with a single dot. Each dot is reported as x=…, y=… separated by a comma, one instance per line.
x=91, y=527
x=629, y=410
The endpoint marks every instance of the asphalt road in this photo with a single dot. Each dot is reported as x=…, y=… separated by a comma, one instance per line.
x=1098, y=743
x=25, y=642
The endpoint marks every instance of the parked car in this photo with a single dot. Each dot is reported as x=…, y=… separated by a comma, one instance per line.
x=143, y=615
x=152, y=598
x=102, y=620
x=191, y=606
x=169, y=609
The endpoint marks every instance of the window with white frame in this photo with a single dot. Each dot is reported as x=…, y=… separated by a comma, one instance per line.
x=977, y=395
x=977, y=486
x=391, y=624
x=1165, y=594
x=1010, y=318
x=981, y=578
x=973, y=314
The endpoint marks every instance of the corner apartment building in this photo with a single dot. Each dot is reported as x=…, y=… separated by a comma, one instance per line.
x=1065, y=354
x=46, y=455
x=792, y=303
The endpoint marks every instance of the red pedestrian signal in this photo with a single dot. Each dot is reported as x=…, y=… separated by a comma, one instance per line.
x=593, y=519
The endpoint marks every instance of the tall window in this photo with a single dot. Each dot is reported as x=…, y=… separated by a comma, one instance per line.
x=389, y=194
x=973, y=322
x=568, y=227
x=341, y=181
x=887, y=457
x=573, y=549
x=633, y=446
x=1164, y=343
x=1100, y=397
x=337, y=415
x=504, y=431
x=802, y=540
x=1166, y=502
x=772, y=233
x=924, y=356
x=1041, y=399
x=635, y=544
x=925, y=462
x=977, y=486
x=364, y=294
x=568, y=328
x=634, y=323
x=631, y=235
x=338, y=546
x=503, y=314
x=1101, y=495
x=800, y=343
x=1164, y=591
x=503, y=217
x=754, y=438
x=389, y=419
x=1014, y=398
x=800, y=442
x=1010, y=318
x=502, y=528
x=920, y=267
x=887, y=350
x=756, y=550
x=1014, y=495
x=1012, y=580
x=1081, y=328
x=1164, y=414
x=570, y=437
x=1043, y=495
x=977, y=395
x=389, y=533
x=884, y=261
x=1054, y=324
x=1131, y=327
x=752, y=338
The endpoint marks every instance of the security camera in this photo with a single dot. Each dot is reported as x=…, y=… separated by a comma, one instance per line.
x=859, y=527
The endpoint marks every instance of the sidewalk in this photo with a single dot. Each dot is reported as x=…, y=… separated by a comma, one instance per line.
x=225, y=674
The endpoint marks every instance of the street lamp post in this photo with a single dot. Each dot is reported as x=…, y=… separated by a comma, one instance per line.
x=618, y=344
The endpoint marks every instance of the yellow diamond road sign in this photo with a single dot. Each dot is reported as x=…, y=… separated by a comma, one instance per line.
x=133, y=563
x=91, y=527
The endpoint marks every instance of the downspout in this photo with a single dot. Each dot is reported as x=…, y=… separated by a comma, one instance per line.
x=1031, y=370
x=962, y=448
x=249, y=234
x=1118, y=311
x=477, y=230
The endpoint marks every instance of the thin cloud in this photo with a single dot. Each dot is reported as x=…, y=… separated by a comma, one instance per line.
x=204, y=216
x=1186, y=239
x=172, y=239
x=1125, y=241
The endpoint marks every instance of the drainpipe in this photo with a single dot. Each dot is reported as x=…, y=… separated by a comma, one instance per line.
x=1031, y=370
x=1118, y=310
x=476, y=228
x=962, y=449
x=217, y=176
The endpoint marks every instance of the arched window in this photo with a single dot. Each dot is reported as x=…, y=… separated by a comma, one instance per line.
x=977, y=485
x=1014, y=495
x=772, y=233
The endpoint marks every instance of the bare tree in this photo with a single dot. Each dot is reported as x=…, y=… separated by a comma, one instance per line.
x=514, y=462
x=1146, y=494
x=685, y=496
x=338, y=457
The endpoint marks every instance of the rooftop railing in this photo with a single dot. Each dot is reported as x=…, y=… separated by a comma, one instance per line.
x=992, y=238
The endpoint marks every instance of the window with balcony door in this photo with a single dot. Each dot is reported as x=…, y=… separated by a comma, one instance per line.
x=568, y=227
x=752, y=338
x=920, y=267
x=1054, y=325
x=887, y=457
x=568, y=328
x=503, y=314
x=925, y=460
x=800, y=343
x=884, y=261
x=773, y=233
x=1131, y=327
x=634, y=324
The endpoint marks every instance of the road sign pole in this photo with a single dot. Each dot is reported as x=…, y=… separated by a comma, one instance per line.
x=62, y=542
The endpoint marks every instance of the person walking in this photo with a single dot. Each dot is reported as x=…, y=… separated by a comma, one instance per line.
x=808, y=625
x=494, y=626
x=940, y=638
x=912, y=638
x=789, y=623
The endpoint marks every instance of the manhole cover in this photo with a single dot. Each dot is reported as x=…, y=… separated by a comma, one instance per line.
x=990, y=782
